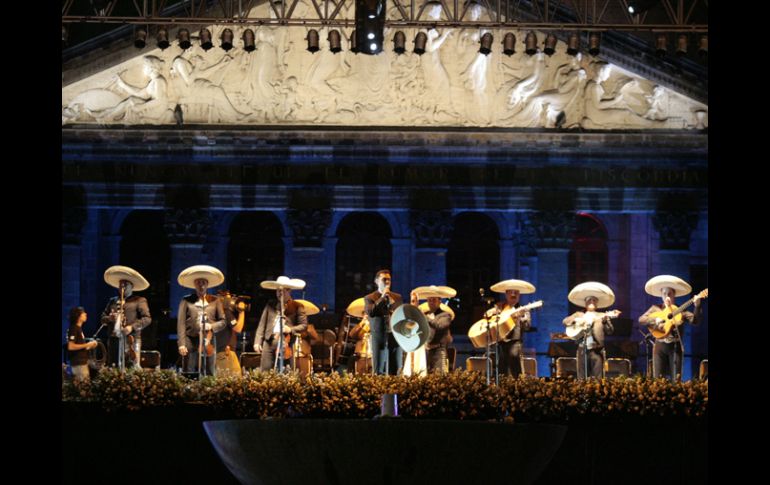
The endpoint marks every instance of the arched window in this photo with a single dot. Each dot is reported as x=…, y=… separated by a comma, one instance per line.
x=588, y=254
x=255, y=254
x=144, y=246
x=473, y=262
x=363, y=247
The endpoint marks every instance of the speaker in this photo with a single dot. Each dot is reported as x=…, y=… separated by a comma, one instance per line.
x=566, y=367
x=704, y=370
x=614, y=367
x=250, y=360
x=530, y=366
x=150, y=359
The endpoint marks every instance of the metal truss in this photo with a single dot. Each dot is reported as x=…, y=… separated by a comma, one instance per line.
x=688, y=16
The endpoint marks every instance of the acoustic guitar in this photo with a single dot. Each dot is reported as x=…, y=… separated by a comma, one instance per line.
x=672, y=316
x=581, y=323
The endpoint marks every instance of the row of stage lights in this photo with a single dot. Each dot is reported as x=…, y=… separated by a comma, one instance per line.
x=420, y=40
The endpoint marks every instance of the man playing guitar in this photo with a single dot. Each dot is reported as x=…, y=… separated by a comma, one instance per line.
x=665, y=323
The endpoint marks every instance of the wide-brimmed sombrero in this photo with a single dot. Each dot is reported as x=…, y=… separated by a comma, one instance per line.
x=434, y=291
x=524, y=287
x=600, y=291
x=283, y=282
x=310, y=308
x=655, y=285
x=114, y=274
x=200, y=271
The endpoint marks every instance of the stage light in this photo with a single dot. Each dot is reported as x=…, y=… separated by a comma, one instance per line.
x=530, y=43
x=312, y=40
x=636, y=7
x=162, y=38
x=573, y=44
x=64, y=36
x=661, y=45
x=205, y=37
x=550, y=44
x=681, y=45
x=486, y=44
x=140, y=38
x=703, y=46
x=227, y=39
x=593, y=43
x=370, y=26
x=183, y=36
x=248, y=40
x=335, y=42
x=509, y=44
x=399, y=42
x=419, y=43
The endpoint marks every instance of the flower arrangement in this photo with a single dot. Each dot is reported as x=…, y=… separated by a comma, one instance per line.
x=458, y=395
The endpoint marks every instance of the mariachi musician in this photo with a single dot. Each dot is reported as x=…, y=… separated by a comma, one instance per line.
x=200, y=313
x=268, y=336
x=125, y=315
x=665, y=323
x=512, y=343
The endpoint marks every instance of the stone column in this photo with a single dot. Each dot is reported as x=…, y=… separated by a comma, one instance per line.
x=306, y=252
x=187, y=230
x=553, y=232
x=73, y=220
x=432, y=230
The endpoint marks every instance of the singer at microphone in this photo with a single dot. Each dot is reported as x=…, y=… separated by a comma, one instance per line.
x=379, y=305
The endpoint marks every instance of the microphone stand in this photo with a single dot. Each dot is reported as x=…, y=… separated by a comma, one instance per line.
x=201, y=347
x=279, y=350
x=487, y=354
x=647, y=353
x=119, y=328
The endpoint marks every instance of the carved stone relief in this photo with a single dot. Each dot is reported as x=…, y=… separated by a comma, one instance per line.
x=451, y=84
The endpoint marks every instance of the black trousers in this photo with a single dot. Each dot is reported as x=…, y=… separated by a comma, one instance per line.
x=394, y=354
x=509, y=361
x=595, y=363
x=667, y=360
x=437, y=360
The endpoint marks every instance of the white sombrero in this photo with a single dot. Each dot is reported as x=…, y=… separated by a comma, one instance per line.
x=356, y=308
x=444, y=308
x=114, y=274
x=410, y=327
x=310, y=308
x=201, y=271
x=524, y=287
x=283, y=282
x=600, y=291
x=432, y=291
x=656, y=284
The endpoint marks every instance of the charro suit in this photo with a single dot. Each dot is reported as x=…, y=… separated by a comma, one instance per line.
x=137, y=314
x=595, y=342
x=296, y=320
x=188, y=327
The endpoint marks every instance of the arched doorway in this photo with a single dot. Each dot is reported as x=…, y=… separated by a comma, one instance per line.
x=588, y=254
x=144, y=246
x=363, y=247
x=255, y=253
x=473, y=262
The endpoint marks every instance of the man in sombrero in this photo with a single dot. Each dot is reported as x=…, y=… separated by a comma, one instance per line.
x=440, y=318
x=668, y=349
x=510, y=362
x=136, y=313
x=592, y=296
x=268, y=336
x=196, y=310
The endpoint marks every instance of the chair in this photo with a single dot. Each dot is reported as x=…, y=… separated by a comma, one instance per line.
x=614, y=367
x=250, y=360
x=704, y=370
x=529, y=365
x=566, y=367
